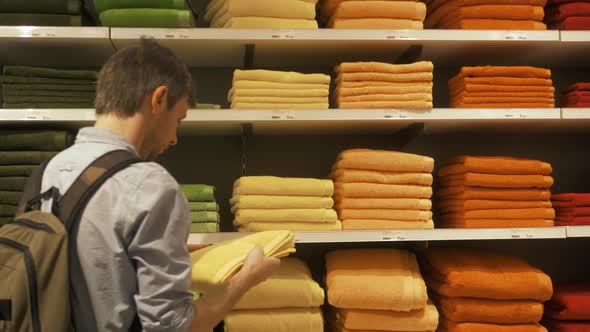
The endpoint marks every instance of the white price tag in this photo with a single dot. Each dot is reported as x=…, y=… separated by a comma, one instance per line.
x=397, y=35
x=403, y=115
x=176, y=34
x=513, y=35
x=521, y=234
x=38, y=115
x=283, y=34
x=392, y=236
x=282, y=115
x=516, y=115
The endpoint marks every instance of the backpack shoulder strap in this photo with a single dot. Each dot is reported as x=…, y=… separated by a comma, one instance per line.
x=32, y=197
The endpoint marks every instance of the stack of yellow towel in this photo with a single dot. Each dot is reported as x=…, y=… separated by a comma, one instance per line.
x=383, y=190
x=261, y=14
x=262, y=203
x=362, y=85
x=266, y=89
x=288, y=301
x=361, y=14
x=377, y=290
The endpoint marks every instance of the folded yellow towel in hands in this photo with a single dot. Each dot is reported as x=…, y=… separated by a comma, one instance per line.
x=245, y=216
x=280, y=202
x=270, y=185
x=275, y=320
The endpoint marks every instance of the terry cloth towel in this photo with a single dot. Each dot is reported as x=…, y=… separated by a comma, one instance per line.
x=276, y=320
x=375, y=279
x=12, y=183
x=40, y=19
x=382, y=214
x=457, y=205
x=269, y=23
x=418, y=105
x=501, y=71
x=205, y=227
x=456, y=81
x=274, y=106
x=49, y=88
x=386, y=98
x=469, y=310
x=504, y=105
x=569, y=302
x=25, y=157
x=408, y=10
x=148, y=18
x=290, y=226
x=280, y=202
x=385, y=77
x=7, y=210
x=10, y=197
x=485, y=88
x=465, y=99
x=425, y=319
x=560, y=12
x=483, y=24
x=384, y=203
x=203, y=106
x=290, y=286
x=46, y=99
x=270, y=185
x=46, y=81
x=494, y=223
x=375, y=190
x=433, y=5
x=502, y=95
x=381, y=67
x=278, y=86
x=566, y=326
x=278, y=100
x=490, y=11
x=573, y=23
x=204, y=216
x=465, y=193
x=344, y=175
x=495, y=165
x=303, y=94
x=203, y=206
x=447, y=326
x=578, y=221
x=220, y=10
x=535, y=213
x=244, y=216
x=26, y=71
x=381, y=224
x=497, y=181
x=86, y=95
x=48, y=105
x=214, y=265
x=198, y=192
x=376, y=23
x=571, y=200
x=280, y=77
x=102, y=5
x=577, y=87
x=381, y=160
x=34, y=140
x=393, y=89
x=17, y=170
x=476, y=273
x=42, y=7
x=573, y=212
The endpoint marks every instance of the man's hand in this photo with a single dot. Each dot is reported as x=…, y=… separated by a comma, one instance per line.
x=257, y=267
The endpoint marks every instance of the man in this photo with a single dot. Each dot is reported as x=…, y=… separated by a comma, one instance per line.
x=133, y=262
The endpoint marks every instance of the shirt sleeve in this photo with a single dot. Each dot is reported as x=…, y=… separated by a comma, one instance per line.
x=158, y=251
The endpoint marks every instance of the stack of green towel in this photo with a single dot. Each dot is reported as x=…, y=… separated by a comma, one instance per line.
x=145, y=13
x=35, y=87
x=204, y=208
x=20, y=153
x=40, y=12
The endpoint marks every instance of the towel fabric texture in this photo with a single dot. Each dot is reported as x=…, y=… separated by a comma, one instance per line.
x=570, y=302
x=279, y=320
x=576, y=95
x=568, y=15
x=204, y=210
x=372, y=14
x=571, y=209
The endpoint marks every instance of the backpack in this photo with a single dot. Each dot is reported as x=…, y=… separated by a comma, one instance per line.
x=36, y=250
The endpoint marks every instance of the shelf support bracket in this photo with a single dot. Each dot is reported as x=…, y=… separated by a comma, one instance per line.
x=406, y=135
x=249, y=56
x=246, y=133
x=410, y=55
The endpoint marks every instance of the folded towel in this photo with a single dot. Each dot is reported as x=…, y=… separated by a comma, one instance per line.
x=376, y=224
x=454, y=205
x=577, y=87
x=418, y=105
x=381, y=67
x=467, y=99
x=269, y=23
x=425, y=319
x=198, y=192
x=565, y=10
x=375, y=23
x=280, y=202
x=504, y=105
x=477, y=273
x=10, y=197
x=569, y=302
x=495, y=223
x=276, y=320
x=504, y=71
x=573, y=212
x=468, y=310
x=290, y=286
x=573, y=23
x=488, y=24
x=534, y=213
x=566, y=326
x=42, y=7
x=381, y=160
x=447, y=326
x=15, y=183
x=375, y=279
x=383, y=203
x=394, y=88
x=465, y=193
x=374, y=190
x=348, y=86
x=571, y=200
x=280, y=77
x=275, y=106
x=204, y=216
x=203, y=206
x=495, y=165
x=578, y=221
x=26, y=71
x=35, y=140
x=270, y=185
x=46, y=99
x=85, y=95
x=238, y=85
x=46, y=81
x=489, y=11
x=456, y=81
x=214, y=265
x=48, y=105
x=40, y=19
x=40, y=87
x=434, y=5
x=285, y=9
x=502, y=95
x=408, y=10
x=205, y=227
x=295, y=93
x=385, y=77
x=354, y=175
x=24, y=157
x=102, y=5
x=245, y=216
x=7, y=210
x=383, y=214
x=290, y=226
x=386, y=98
x=279, y=100
x=147, y=18
x=488, y=88
x=497, y=181
x=17, y=170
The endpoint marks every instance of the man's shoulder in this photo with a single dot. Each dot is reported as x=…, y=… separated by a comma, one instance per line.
x=147, y=172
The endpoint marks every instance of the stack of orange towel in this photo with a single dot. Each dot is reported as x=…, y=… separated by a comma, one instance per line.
x=362, y=14
x=362, y=85
x=502, y=87
x=477, y=290
x=377, y=290
x=495, y=192
x=486, y=14
x=383, y=190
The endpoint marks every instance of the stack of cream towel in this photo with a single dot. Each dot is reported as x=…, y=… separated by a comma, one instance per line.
x=266, y=89
x=263, y=203
x=262, y=14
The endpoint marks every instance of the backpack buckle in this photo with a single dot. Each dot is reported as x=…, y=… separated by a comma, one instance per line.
x=35, y=202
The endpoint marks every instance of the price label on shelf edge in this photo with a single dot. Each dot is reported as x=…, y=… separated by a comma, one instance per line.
x=516, y=35
x=521, y=234
x=397, y=35
x=392, y=236
x=283, y=34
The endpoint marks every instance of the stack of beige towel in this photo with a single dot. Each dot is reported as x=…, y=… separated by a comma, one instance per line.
x=262, y=14
x=383, y=190
x=263, y=203
x=377, y=290
x=266, y=89
x=345, y=14
x=362, y=85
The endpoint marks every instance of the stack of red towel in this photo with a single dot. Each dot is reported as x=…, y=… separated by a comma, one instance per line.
x=569, y=309
x=571, y=209
x=568, y=14
x=577, y=95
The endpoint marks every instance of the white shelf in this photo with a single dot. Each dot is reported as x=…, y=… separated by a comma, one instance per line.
x=575, y=47
x=578, y=231
x=575, y=113
x=55, y=46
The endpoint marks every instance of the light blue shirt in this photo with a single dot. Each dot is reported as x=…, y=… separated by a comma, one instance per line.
x=131, y=241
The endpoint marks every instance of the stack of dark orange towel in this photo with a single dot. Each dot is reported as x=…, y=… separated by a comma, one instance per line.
x=568, y=14
x=571, y=209
x=483, y=291
x=569, y=309
x=577, y=96
x=502, y=87
x=495, y=192
x=485, y=14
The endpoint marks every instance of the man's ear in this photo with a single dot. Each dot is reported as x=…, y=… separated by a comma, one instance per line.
x=160, y=99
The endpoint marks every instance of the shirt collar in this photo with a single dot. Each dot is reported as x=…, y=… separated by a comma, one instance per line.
x=104, y=136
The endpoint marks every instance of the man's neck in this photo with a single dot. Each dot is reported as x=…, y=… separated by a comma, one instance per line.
x=129, y=128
